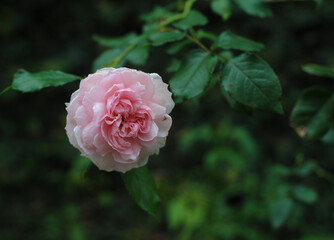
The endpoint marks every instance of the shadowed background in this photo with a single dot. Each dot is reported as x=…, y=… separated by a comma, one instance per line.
x=222, y=175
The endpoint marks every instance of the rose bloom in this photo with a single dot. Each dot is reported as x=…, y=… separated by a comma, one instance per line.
x=119, y=117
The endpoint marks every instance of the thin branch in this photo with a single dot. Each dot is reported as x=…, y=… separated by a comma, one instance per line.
x=197, y=41
x=174, y=18
x=6, y=90
x=117, y=60
x=201, y=45
x=324, y=174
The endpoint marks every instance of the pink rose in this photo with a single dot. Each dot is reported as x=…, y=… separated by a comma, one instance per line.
x=119, y=117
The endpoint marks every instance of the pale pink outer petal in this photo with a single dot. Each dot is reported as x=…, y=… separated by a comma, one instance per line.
x=108, y=163
x=164, y=126
x=161, y=94
x=153, y=148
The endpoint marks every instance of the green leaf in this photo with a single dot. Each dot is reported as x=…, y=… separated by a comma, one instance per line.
x=234, y=104
x=106, y=58
x=280, y=211
x=218, y=159
x=160, y=38
x=177, y=47
x=125, y=40
x=188, y=210
x=189, y=139
x=314, y=111
x=319, y=70
x=222, y=8
x=141, y=186
x=138, y=55
x=229, y=40
x=306, y=169
x=206, y=35
x=308, y=104
x=156, y=14
x=305, y=194
x=174, y=65
x=79, y=169
x=194, y=18
x=319, y=3
x=194, y=75
x=280, y=171
x=322, y=121
x=214, y=79
x=249, y=80
x=28, y=82
x=258, y=8
x=329, y=136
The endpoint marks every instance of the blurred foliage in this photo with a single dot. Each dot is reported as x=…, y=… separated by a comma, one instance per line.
x=222, y=175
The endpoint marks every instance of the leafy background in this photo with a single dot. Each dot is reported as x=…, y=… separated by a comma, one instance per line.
x=222, y=175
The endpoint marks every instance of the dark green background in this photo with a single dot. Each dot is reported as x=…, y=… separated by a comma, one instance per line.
x=222, y=175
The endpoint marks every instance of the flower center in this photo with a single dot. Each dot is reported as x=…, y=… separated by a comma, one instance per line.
x=126, y=119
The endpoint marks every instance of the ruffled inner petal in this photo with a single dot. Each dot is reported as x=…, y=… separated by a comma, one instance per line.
x=149, y=136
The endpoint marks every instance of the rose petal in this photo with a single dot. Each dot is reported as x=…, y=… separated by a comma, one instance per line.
x=151, y=134
x=164, y=126
x=161, y=94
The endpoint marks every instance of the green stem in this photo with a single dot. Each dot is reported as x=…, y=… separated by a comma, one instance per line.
x=6, y=90
x=174, y=18
x=201, y=45
x=193, y=33
x=220, y=57
x=117, y=60
x=325, y=174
